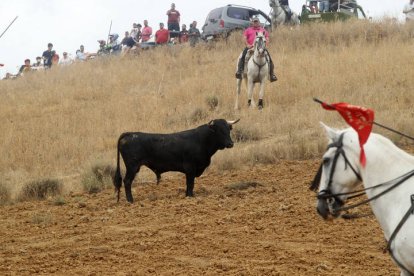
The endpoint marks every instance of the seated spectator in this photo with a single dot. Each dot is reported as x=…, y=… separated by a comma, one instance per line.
x=305, y=10
x=162, y=36
x=38, y=65
x=183, y=34
x=314, y=6
x=81, y=55
x=26, y=67
x=123, y=41
x=66, y=59
x=9, y=76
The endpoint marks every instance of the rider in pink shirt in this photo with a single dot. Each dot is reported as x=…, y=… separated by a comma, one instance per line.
x=250, y=35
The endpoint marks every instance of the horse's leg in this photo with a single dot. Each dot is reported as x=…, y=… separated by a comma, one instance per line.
x=261, y=94
x=250, y=87
x=236, y=105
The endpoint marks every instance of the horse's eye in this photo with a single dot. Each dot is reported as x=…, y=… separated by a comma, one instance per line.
x=326, y=160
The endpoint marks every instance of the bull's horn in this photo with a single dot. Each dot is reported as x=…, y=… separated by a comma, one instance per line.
x=233, y=122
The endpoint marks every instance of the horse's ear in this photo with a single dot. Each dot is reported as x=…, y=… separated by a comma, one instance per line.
x=330, y=132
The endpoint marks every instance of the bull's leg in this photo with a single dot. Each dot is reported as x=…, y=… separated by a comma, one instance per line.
x=158, y=177
x=190, y=185
x=250, y=87
x=129, y=178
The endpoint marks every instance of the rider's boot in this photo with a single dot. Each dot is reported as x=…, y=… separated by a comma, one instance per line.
x=240, y=67
x=272, y=72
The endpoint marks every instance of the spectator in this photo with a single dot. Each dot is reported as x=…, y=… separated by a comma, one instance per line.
x=324, y=6
x=26, y=67
x=146, y=32
x=136, y=32
x=113, y=44
x=162, y=36
x=409, y=11
x=48, y=55
x=123, y=41
x=128, y=43
x=183, y=34
x=194, y=34
x=173, y=19
x=38, y=62
x=55, y=59
x=66, y=59
x=314, y=6
x=82, y=55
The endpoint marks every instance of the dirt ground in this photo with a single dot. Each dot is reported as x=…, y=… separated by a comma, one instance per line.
x=255, y=221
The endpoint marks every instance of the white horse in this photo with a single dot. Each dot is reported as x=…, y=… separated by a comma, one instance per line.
x=256, y=70
x=279, y=16
x=388, y=179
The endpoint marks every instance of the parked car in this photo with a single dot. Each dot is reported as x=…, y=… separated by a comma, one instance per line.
x=221, y=21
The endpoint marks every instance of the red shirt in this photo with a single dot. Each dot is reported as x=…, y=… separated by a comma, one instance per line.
x=161, y=36
x=173, y=16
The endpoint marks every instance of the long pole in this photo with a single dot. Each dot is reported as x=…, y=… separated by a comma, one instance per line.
x=373, y=122
x=109, y=33
x=8, y=27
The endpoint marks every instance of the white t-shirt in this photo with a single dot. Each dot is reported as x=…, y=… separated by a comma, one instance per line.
x=409, y=11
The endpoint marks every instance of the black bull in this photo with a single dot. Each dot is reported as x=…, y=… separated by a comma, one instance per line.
x=189, y=152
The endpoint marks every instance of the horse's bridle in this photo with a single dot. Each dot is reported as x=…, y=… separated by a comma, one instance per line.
x=260, y=44
x=328, y=195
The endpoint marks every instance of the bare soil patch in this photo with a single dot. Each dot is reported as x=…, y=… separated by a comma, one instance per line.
x=252, y=221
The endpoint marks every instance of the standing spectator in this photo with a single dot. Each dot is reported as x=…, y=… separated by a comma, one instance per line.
x=409, y=11
x=324, y=6
x=82, y=55
x=136, y=32
x=183, y=34
x=162, y=36
x=173, y=19
x=194, y=34
x=55, y=59
x=48, y=55
x=26, y=67
x=146, y=32
x=66, y=59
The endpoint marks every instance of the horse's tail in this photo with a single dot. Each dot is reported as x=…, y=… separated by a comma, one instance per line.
x=117, y=179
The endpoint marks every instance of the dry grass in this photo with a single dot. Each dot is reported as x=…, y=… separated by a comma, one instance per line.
x=55, y=122
x=40, y=189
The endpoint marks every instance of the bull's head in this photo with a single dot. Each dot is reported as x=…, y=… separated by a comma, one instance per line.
x=222, y=130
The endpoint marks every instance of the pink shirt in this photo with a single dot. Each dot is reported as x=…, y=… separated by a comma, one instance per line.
x=146, y=33
x=250, y=34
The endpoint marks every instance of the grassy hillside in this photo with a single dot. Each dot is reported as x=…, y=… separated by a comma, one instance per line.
x=56, y=124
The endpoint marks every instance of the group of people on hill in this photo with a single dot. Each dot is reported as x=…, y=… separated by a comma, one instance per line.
x=139, y=37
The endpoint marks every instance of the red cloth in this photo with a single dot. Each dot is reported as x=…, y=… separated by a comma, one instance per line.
x=161, y=36
x=359, y=118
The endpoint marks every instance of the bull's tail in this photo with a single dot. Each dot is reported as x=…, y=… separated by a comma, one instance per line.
x=117, y=180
